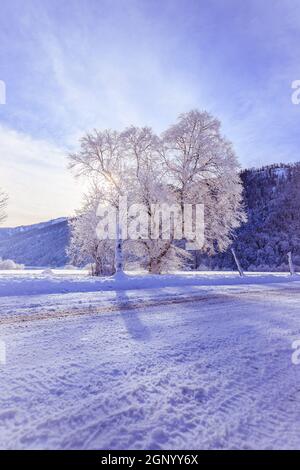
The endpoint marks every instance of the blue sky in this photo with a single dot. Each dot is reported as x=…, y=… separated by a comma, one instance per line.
x=74, y=65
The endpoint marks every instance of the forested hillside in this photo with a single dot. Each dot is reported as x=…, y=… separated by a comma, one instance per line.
x=272, y=200
x=41, y=244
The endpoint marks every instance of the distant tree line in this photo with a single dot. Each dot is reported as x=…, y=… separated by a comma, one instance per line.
x=272, y=202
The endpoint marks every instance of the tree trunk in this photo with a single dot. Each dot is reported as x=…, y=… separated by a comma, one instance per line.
x=156, y=264
x=98, y=268
x=241, y=272
x=118, y=249
x=154, y=267
x=291, y=264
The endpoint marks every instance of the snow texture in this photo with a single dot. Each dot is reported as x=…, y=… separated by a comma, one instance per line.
x=172, y=367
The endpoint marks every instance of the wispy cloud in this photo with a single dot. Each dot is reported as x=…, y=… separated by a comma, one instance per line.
x=34, y=174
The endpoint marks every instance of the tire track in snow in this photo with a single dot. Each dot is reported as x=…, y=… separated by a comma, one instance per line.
x=62, y=313
x=129, y=305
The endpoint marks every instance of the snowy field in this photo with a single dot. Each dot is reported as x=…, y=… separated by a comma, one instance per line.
x=187, y=361
x=61, y=281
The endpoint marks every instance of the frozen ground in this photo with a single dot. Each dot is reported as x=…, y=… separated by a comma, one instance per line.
x=187, y=365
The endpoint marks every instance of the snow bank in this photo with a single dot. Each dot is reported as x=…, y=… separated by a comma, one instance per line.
x=33, y=282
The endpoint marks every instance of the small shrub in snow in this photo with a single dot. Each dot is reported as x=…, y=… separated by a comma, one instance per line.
x=70, y=267
x=203, y=267
x=9, y=264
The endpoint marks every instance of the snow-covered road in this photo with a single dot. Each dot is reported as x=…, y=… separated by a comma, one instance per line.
x=191, y=367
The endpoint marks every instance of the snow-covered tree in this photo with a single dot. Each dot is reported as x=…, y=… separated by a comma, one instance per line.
x=202, y=167
x=150, y=190
x=102, y=157
x=190, y=164
x=128, y=164
x=85, y=247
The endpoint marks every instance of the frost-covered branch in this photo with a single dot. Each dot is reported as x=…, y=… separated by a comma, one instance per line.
x=3, y=205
